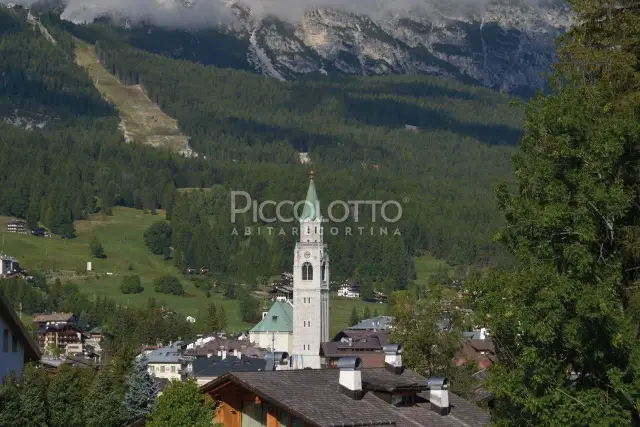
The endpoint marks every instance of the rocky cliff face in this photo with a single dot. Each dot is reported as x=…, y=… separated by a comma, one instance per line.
x=506, y=44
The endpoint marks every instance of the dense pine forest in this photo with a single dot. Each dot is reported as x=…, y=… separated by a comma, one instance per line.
x=248, y=131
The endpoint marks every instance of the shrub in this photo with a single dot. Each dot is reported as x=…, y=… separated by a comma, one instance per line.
x=168, y=285
x=131, y=285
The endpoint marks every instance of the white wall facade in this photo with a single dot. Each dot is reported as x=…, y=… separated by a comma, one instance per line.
x=170, y=371
x=274, y=341
x=310, y=297
x=10, y=360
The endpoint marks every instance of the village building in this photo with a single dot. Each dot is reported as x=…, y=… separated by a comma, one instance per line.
x=17, y=348
x=53, y=319
x=169, y=362
x=366, y=344
x=207, y=369
x=9, y=266
x=57, y=337
x=275, y=331
x=378, y=323
x=349, y=290
x=346, y=396
x=16, y=226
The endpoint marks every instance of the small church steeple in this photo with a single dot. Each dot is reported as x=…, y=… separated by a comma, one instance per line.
x=311, y=211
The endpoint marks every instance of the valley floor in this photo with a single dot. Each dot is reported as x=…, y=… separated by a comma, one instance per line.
x=126, y=254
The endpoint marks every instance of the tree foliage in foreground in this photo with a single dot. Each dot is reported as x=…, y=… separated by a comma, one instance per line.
x=567, y=320
x=182, y=404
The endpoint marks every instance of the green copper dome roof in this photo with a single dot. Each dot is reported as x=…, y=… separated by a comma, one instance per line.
x=311, y=209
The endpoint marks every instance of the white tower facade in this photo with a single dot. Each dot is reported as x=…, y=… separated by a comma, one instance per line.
x=310, y=287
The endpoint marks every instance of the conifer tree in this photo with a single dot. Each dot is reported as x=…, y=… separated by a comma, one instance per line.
x=212, y=322
x=103, y=400
x=222, y=318
x=354, y=319
x=33, y=396
x=566, y=320
x=143, y=389
x=10, y=414
x=366, y=314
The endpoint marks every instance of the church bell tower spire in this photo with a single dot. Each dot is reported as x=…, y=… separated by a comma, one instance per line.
x=310, y=286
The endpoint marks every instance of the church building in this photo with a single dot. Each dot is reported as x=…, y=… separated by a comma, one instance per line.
x=302, y=336
x=310, y=287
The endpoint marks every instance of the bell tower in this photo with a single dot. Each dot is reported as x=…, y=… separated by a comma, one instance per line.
x=310, y=286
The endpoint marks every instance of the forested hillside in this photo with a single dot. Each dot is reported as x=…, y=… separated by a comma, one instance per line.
x=250, y=129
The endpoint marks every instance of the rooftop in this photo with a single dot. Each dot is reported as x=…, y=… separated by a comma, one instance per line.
x=165, y=355
x=311, y=209
x=314, y=397
x=53, y=317
x=215, y=366
x=279, y=318
x=378, y=322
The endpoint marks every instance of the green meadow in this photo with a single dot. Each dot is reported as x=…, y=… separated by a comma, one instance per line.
x=126, y=253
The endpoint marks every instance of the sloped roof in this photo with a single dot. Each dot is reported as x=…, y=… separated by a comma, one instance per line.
x=215, y=366
x=279, y=318
x=312, y=395
x=31, y=349
x=53, y=317
x=379, y=322
x=311, y=209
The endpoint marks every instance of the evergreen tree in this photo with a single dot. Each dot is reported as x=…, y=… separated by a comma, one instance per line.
x=10, y=411
x=97, y=250
x=182, y=404
x=65, y=395
x=567, y=317
x=33, y=396
x=366, y=314
x=354, y=319
x=222, y=318
x=103, y=400
x=143, y=389
x=83, y=320
x=211, y=321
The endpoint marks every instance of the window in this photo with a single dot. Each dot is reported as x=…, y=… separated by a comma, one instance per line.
x=161, y=369
x=5, y=341
x=152, y=369
x=284, y=419
x=173, y=369
x=322, y=269
x=253, y=414
x=14, y=343
x=308, y=230
x=307, y=271
x=309, y=323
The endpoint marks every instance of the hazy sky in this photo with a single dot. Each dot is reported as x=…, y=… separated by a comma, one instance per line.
x=211, y=12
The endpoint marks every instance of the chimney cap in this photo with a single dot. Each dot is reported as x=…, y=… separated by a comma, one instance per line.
x=392, y=349
x=353, y=363
x=438, y=383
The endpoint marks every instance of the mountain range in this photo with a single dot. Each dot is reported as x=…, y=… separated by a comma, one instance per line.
x=507, y=45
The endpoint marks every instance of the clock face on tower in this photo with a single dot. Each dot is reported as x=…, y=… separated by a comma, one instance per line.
x=307, y=254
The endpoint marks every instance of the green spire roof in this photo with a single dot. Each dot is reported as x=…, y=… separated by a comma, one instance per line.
x=279, y=318
x=311, y=209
